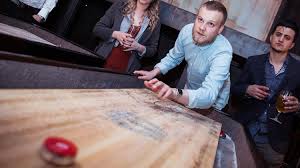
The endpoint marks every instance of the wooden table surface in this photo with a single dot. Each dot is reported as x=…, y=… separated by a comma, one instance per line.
x=124, y=128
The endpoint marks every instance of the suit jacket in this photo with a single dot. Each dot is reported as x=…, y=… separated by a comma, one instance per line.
x=110, y=22
x=250, y=108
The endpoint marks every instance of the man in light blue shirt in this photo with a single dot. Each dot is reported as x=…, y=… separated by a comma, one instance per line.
x=208, y=55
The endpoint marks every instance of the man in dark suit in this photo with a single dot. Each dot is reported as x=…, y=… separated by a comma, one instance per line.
x=263, y=77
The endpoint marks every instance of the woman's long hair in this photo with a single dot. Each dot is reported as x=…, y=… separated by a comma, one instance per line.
x=152, y=12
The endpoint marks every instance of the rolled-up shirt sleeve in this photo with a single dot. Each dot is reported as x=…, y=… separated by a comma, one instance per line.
x=205, y=96
x=47, y=8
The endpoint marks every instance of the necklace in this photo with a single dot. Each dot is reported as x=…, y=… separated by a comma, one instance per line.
x=132, y=19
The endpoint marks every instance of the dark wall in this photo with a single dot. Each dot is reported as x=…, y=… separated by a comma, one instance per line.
x=88, y=14
x=56, y=16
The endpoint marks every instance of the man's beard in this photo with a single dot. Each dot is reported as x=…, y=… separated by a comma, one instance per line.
x=276, y=50
x=195, y=40
x=203, y=43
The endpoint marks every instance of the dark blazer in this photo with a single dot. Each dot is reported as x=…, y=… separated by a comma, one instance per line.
x=110, y=22
x=250, y=108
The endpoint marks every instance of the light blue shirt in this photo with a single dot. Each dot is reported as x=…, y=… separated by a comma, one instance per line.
x=208, y=77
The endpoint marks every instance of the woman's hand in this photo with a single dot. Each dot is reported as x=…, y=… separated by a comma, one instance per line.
x=121, y=37
x=132, y=45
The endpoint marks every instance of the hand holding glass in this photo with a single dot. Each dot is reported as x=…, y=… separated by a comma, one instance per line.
x=280, y=104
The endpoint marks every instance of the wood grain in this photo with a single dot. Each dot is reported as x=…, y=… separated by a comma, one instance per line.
x=126, y=128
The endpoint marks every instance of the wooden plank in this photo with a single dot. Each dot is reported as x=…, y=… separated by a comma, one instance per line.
x=17, y=32
x=111, y=127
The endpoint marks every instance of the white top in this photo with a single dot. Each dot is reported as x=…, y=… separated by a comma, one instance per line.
x=45, y=6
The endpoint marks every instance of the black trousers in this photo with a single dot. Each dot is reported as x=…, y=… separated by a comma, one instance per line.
x=21, y=12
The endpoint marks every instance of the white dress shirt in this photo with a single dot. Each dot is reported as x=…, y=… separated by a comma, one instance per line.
x=45, y=6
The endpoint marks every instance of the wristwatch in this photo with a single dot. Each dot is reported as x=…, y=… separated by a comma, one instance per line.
x=177, y=92
x=180, y=92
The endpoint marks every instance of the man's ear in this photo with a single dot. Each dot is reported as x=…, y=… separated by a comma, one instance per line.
x=293, y=44
x=221, y=29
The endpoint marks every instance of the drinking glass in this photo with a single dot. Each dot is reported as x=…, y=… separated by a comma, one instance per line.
x=280, y=104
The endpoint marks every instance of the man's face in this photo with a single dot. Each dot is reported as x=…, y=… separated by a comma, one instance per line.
x=208, y=25
x=282, y=39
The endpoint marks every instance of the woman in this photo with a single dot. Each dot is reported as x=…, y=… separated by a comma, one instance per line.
x=128, y=31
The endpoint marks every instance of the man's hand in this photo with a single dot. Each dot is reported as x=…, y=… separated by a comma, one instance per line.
x=121, y=36
x=147, y=75
x=291, y=104
x=163, y=90
x=38, y=18
x=258, y=91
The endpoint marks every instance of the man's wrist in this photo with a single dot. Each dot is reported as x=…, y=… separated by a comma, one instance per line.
x=174, y=93
x=180, y=92
x=156, y=71
x=247, y=95
x=177, y=93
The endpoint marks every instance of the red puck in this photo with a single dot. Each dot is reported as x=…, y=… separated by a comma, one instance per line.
x=59, y=151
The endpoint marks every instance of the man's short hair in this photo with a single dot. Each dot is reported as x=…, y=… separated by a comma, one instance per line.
x=290, y=24
x=216, y=6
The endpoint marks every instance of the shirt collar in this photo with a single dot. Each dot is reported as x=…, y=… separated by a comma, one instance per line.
x=286, y=61
x=203, y=47
x=284, y=66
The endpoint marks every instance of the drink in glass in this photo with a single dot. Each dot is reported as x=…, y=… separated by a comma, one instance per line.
x=280, y=104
